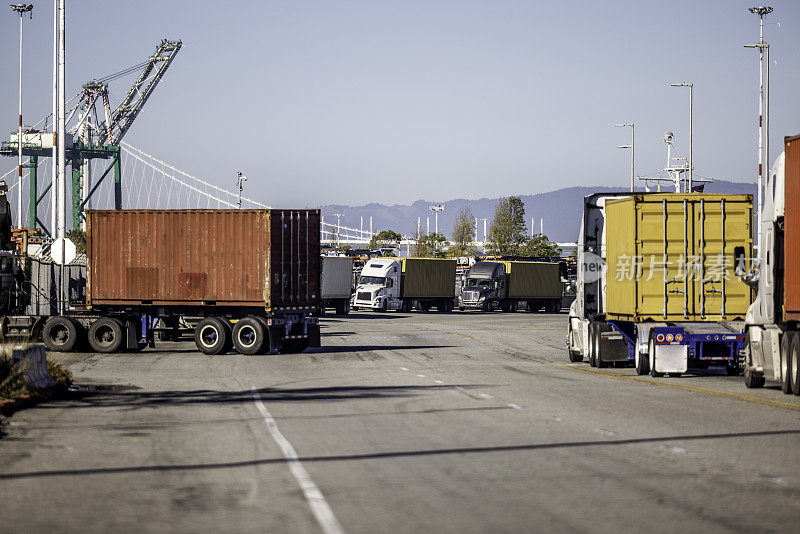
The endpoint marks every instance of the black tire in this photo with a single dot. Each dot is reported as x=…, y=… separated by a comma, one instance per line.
x=786, y=362
x=574, y=357
x=461, y=308
x=61, y=334
x=599, y=351
x=753, y=379
x=249, y=336
x=651, y=354
x=211, y=336
x=642, y=362
x=592, y=346
x=226, y=324
x=554, y=306
x=293, y=346
x=794, y=350
x=424, y=306
x=731, y=370
x=346, y=307
x=106, y=335
x=532, y=306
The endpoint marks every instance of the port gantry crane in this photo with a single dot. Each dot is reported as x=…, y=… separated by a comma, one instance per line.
x=89, y=138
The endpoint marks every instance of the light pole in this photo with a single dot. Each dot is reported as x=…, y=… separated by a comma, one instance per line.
x=763, y=105
x=436, y=208
x=691, y=104
x=338, y=216
x=240, y=179
x=631, y=146
x=21, y=9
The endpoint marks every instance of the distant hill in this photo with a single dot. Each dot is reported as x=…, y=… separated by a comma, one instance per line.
x=558, y=209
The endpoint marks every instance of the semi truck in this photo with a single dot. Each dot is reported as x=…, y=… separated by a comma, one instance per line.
x=251, y=278
x=405, y=284
x=772, y=346
x=491, y=285
x=337, y=284
x=656, y=283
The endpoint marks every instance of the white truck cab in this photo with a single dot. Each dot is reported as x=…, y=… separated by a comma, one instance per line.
x=379, y=285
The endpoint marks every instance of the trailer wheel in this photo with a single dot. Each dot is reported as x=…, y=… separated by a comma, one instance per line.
x=424, y=306
x=786, y=362
x=794, y=350
x=753, y=379
x=592, y=347
x=533, y=306
x=211, y=336
x=60, y=334
x=651, y=351
x=249, y=336
x=554, y=306
x=642, y=362
x=106, y=335
x=601, y=327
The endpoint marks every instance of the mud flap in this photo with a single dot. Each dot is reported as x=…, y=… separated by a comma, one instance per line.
x=313, y=335
x=132, y=334
x=275, y=337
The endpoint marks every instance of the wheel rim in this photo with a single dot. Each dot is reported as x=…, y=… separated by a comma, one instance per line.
x=209, y=336
x=795, y=365
x=247, y=336
x=104, y=335
x=59, y=334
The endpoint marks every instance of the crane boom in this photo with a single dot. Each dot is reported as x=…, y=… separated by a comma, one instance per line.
x=126, y=112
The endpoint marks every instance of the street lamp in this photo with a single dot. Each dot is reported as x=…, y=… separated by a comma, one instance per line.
x=436, y=208
x=21, y=9
x=240, y=179
x=691, y=103
x=763, y=109
x=631, y=146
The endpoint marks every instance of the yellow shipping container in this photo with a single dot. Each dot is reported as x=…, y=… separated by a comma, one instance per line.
x=671, y=257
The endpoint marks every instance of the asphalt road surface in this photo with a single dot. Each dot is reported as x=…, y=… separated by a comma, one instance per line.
x=462, y=422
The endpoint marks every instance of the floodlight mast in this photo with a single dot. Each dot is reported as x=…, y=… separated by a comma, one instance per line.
x=436, y=208
x=21, y=9
x=763, y=105
x=691, y=139
x=631, y=146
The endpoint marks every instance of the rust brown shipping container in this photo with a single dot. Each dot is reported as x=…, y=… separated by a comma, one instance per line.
x=237, y=258
x=791, y=239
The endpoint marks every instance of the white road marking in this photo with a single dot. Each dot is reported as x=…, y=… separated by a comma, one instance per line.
x=421, y=376
x=603, y=431
x=556, y=418
x=404, y=368
x=775, y=480
x=677, y=450
x=319, y=506
x=438, y=381
x=460, y=388
x=487, y=396
x=515, y=406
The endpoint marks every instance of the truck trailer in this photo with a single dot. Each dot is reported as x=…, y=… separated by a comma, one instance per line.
x=251, y=277
x=772, y=346
x=405, y=284
x=337, y=284
x=491, y=285
x=656, y=283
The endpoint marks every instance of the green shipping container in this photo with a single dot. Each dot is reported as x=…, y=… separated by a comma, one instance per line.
x=670, y=257
x=532, y=279
x=428, y=277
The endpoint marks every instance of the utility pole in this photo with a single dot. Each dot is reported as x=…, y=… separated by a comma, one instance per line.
x=691, y=139
x=763, y=102
x=21, y=9
x=631, y=147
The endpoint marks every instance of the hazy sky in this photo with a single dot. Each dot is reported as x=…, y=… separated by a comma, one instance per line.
x=377, y=101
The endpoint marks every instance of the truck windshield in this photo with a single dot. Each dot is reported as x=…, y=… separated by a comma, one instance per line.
x=479, y=282
x=380, y=280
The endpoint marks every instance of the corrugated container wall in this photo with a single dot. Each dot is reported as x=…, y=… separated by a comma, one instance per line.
x=263, y=258
x=791, y=239
x=337, y=277
x=528, y=279
x=671, y=257
x=428, y=277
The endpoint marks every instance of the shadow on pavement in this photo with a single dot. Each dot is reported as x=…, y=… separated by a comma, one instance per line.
x=384, y=455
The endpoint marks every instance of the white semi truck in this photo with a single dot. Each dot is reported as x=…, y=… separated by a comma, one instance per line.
x=772, y=343
x=407, y=283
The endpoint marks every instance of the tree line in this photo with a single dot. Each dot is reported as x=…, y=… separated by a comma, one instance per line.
x=507, y=236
